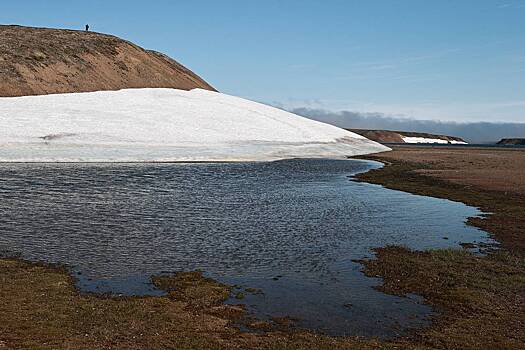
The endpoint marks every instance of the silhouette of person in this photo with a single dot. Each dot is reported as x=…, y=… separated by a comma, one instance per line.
x=87, y=27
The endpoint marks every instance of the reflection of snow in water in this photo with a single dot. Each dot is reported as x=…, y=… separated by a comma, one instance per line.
x=163, y=125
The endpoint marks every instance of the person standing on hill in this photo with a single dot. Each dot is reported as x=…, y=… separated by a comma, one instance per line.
x=87, y=27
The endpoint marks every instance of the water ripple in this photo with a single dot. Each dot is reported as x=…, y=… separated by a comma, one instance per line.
x=243, y=223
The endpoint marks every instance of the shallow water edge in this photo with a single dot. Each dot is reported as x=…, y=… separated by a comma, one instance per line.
x=305, y=220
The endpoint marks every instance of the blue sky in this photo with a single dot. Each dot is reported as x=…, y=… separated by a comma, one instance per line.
x=461, y=60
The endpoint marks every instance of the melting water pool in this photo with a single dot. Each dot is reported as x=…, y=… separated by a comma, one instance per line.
x=291, y=228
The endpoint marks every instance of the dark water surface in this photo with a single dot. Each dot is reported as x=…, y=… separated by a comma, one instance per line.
x=291, y=228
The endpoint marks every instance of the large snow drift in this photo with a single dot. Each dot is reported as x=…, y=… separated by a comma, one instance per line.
x=163, y=125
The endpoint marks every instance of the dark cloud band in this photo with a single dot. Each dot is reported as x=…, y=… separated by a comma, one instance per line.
x=478, y=132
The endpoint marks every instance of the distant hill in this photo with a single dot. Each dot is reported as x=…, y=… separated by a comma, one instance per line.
x=39, y=61
x=512, y=142
x=388, y=136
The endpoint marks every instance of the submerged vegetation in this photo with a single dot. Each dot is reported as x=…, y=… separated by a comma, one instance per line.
x=41, y=309
x=481, y=300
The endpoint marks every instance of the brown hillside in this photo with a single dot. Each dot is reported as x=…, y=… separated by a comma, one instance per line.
x=37, y=61
x=381, y=136
x=512, y=142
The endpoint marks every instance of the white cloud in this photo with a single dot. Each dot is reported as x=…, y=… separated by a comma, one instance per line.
x=511, y=5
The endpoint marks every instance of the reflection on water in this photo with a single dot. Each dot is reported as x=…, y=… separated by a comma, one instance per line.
x=291, y=228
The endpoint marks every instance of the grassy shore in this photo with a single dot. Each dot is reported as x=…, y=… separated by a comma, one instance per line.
x=41, y=309
x=491, y=179
x=480, y=299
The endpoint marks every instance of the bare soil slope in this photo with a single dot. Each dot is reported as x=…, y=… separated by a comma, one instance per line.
x=37, y=61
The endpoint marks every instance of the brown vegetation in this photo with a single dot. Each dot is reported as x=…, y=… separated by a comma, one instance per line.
x=41, y=309
x=486, y=169
x=481, y=299
x=38, y=61
x=489, y=178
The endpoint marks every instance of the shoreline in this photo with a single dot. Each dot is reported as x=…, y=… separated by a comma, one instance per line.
x=503, y=205
x=479, y=299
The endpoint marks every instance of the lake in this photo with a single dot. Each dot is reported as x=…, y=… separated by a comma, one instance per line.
x=292, y=228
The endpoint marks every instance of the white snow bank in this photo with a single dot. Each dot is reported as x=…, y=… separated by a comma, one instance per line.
x=430, y=140
x=163, y=125
x=423, y=140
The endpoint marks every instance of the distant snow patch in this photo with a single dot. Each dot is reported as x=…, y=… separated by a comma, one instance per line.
x=431, y=140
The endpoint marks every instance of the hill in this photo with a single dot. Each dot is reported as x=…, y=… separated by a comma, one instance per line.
x=512, y=142
x=39, y=61
x=388, y=136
